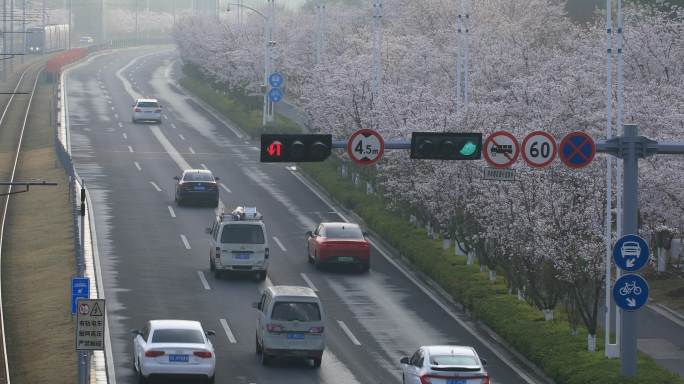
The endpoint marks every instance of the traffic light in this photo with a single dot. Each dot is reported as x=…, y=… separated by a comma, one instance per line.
x=280, y=148
x=446, y=145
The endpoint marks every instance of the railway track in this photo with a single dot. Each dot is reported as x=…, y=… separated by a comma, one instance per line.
x=16, y=106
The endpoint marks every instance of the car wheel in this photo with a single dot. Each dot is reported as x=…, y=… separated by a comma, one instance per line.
x=212, y=266
x=134, y=121
x=317, y=362
x=257, y=346
x=217, y=273
x=211, y=379
x=364, y=267
x=308, y=255
x=265, y=358
x=140, y=379
x=215, y=204
x=179, y=201
x=316, y=262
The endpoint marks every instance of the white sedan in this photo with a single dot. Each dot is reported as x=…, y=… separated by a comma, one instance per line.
x=146, y=110
x=444, y=364
x=173, y=348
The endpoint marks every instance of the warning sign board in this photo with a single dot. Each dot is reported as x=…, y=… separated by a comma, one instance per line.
x=90, y=324
x=365, y=147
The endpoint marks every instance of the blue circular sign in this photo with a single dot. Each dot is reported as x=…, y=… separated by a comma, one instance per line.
x=630, y=253
x=577, y=149
x=275, y=95
x=276, y=80
x=630, y=292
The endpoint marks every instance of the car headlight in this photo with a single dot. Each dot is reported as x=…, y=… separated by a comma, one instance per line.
x=31, y=49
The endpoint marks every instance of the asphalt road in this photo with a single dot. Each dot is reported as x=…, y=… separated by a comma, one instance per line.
x=155, y=255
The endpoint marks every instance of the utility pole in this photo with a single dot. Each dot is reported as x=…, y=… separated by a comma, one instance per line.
x=23, y=30
x=83, y=356
x=103, y=13
x=44, y=12
x=320, y=31
x=377, y=43
x=71, y=27
x=137, y=7
x=4, y=40
x=269, y=107
x=11, y=47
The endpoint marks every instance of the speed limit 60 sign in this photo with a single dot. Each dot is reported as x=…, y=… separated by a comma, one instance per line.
x=365, y=147
x=539, y=149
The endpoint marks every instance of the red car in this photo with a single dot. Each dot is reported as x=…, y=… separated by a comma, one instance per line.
x=338, y=243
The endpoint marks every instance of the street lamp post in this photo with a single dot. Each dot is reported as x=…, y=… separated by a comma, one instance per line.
x=269, y=45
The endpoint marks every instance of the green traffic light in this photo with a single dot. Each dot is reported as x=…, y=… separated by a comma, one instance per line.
x=468, y=149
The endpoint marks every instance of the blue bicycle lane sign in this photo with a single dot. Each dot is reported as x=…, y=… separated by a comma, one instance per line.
x=630, y=292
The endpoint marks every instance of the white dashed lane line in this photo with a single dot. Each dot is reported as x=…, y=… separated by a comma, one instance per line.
x=181, y=137
x=191, y=150
x=279, y=244
x=120, y=124
x=171, y=212
x=225, y=188
x=125, y=136
x=203, y=166
x=346, y=330
x=116, y=116
x=204, y=281
x=173, y=125
x=227, y=330
x=130, y=149
x=185, y=241
x=308, y=282
x=155, y=186
x=137, y=165
x=166, y=117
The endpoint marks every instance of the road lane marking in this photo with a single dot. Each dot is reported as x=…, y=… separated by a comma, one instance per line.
x=137, y=165
x=125, y=136
x=227, y=330
x=280, y=244
x=155, y=186
x=120, y=124
x=349, y=333
x=130, y=149
x=203, y=166
x=426, y=291
x=185, y=241
x=170, y=149
x=191, y=150
x=308, y=282
x=116, y=116
x=171, y=212
x=181, y=137
x=173, y=125
x=225, y=188
x=204, y=281
x=166, y=117
x=112, y=108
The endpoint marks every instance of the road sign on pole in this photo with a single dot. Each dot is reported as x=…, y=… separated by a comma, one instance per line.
x=80, y=289
x=275, y=95
x=276, y=80
x=577, y=149
x=501, y=149
x=631, y=253
x=539, y=149
x=90, y=324
x=630, y=292
x=366, y=147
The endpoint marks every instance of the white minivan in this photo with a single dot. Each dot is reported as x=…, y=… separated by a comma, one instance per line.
x=238, y=243
x=290, y=323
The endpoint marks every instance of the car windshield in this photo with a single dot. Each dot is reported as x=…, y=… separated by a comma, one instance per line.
x=242, y=234
x=344, y=232
x=457, y=360
x=183, y=336
x=147, y=104
x=198, y=176
x=296, y=311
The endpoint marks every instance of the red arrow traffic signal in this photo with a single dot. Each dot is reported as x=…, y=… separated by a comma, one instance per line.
x=274, y=149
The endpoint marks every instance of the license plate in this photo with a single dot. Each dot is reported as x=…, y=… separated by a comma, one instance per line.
x=199, y=188
x=345, y=259
x=456, y=381
x=179, y=358
x=295, y=336
x=242, y=256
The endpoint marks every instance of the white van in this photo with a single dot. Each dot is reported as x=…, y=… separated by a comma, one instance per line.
x=238, y=243
x=290, y=323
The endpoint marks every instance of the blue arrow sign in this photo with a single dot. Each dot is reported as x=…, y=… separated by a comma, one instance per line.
x=275, y=95
x=276, y=80
x=630, y=292
x=630, y=253
x=80, y=288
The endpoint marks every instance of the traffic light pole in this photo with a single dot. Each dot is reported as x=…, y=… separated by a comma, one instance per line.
x=630, y=147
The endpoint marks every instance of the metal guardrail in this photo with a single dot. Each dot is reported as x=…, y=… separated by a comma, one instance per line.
x=5, y=366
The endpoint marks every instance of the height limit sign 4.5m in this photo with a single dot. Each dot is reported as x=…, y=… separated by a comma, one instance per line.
x=365, y=147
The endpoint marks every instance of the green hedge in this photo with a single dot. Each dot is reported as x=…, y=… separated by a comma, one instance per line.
x=548, y=344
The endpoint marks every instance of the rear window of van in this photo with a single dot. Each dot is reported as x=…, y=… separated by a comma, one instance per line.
x=242, y=234
x=296, y=311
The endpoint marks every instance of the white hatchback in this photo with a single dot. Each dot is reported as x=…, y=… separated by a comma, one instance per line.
x=173, y=348
x=146, y=110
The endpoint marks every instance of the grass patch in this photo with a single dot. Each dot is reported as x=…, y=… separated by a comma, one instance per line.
x=667, y=289
x=548, y=344
x=38, y=262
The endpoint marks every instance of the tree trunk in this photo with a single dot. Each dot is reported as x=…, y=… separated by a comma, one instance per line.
x=521, y=295
x=662, y=265
x=492, y=275
x=446, y=243
x=548, y=314
x=369, y=188
x=482, y=268
x=591, y=343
